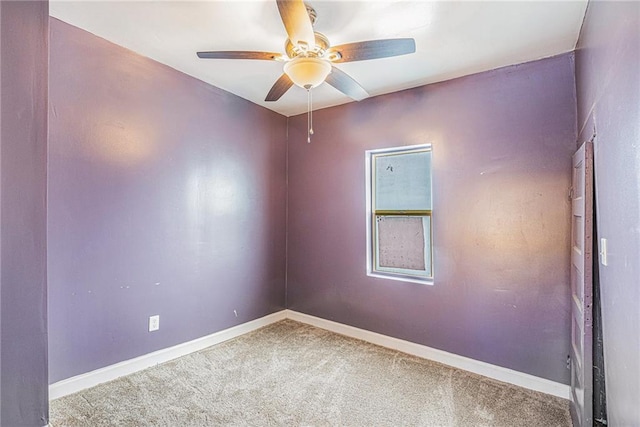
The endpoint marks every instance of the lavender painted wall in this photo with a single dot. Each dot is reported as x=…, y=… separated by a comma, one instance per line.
x=166, y=196
x=502, y=145
x=608, y=92
x=23, y=169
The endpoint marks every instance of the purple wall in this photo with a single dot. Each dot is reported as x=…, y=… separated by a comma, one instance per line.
x=23, y=172
x=166, y=196
x=608, y=91
x=502, y=145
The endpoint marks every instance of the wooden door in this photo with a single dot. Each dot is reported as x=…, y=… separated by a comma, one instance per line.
x=581, y=286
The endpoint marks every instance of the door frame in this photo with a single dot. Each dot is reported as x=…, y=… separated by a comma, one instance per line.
x=581, y=195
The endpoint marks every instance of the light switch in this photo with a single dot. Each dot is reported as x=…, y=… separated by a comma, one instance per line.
x=603, y=251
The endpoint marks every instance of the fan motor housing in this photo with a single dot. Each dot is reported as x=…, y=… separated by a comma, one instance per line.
x=317, y=51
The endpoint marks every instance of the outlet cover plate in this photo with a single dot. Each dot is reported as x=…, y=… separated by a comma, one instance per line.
x=154, y=323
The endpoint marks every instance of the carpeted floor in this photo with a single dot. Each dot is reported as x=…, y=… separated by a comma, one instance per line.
x=291, y=374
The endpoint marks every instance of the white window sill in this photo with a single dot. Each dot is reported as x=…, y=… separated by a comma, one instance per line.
x=401, y=278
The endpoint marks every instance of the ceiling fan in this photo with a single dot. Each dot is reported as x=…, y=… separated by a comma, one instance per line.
x=309, y=59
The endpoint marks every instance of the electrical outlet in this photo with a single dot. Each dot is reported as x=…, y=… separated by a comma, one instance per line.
x=154, y=323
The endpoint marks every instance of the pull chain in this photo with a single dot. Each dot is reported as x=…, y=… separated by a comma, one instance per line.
x=309, y=115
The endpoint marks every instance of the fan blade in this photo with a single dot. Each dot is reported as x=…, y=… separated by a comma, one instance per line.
x=372, y=49
x=296, y=21
x=240, y=54
x=346, y=84
x=279, y=88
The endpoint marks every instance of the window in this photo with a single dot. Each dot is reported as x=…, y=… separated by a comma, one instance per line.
x=399, y=213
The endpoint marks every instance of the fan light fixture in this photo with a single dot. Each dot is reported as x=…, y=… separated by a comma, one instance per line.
x=307, y=72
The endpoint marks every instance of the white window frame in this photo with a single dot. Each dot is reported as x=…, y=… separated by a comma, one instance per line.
x=372, y=271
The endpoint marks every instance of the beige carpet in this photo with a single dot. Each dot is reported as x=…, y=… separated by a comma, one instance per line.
x=291, y=374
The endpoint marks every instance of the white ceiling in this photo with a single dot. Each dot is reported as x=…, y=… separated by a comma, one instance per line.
x=453, y=39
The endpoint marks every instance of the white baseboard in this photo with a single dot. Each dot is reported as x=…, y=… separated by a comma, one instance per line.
x=127, y=367
x=482, y=368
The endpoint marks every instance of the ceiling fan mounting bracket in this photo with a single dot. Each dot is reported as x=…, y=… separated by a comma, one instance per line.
x=312, y=13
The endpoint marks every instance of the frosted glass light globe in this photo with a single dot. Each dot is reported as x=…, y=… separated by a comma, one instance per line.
x=307, y=72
